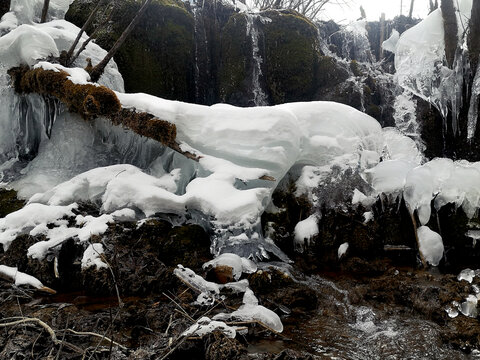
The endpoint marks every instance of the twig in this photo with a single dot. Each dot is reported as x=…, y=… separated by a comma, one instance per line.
x=178, y=305
x=63, y=339
x=89, y=333
x=50, y=331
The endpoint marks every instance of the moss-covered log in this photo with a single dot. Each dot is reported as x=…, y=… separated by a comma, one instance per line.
x=91, y=101
x=88, y=100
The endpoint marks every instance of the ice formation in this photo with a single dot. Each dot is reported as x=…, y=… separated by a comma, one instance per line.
x=420, y=62
x=467, y=275
x=391, y=43
x=430, y=245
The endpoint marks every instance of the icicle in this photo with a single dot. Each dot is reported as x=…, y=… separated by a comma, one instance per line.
x=259, y=96
x=473, y=109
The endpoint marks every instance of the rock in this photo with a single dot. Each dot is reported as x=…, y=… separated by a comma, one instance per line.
x=9, y=202
x=158, y=56
x=292, y=58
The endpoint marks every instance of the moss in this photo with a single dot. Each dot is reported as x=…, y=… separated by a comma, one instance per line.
x=330, y=73
x=291, y=56
x=357, y=71
x=158, y=56
x=9, y=202
x=236, y=49
x=87, y=100
x=147, y=125
x=266, y=281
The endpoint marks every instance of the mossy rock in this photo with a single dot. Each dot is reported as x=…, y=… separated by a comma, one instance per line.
x=291, y=56
x=235, y=61
x=9, y=202
x=158, y=56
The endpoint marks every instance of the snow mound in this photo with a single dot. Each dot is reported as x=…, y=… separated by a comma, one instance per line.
x=431, y=245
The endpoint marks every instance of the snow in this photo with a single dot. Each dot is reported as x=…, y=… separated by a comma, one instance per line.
x=19, y=278
x=238, y=264
x=431, y=245
x=342, y=250
x=251, y=311
x=305, y=230
x=30, y=219
x=92, y=257
x=26, y=45
x=205, y=325
x=77, y=75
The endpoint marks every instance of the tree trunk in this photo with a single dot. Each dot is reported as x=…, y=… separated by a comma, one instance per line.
x=410, y=13
x=46, y=4
x=100, y=67
x=451, y=29
x=473, y=36
x=382, y=36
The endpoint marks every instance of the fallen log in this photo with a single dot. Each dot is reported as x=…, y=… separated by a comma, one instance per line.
x=91, y=101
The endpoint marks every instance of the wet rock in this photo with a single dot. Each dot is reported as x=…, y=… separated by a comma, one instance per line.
x=291, y=57
x=218, y=347
x=9, y=202
x=158, y=57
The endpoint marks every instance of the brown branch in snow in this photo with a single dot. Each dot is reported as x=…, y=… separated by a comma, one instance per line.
x=91, y=101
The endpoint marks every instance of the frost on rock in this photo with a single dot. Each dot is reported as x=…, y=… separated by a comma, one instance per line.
x=431, y=245
x=93, y=257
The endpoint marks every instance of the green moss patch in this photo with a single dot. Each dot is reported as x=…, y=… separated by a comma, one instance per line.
x=158, y=56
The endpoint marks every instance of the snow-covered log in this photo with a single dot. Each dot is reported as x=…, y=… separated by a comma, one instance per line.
x=91, y=100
